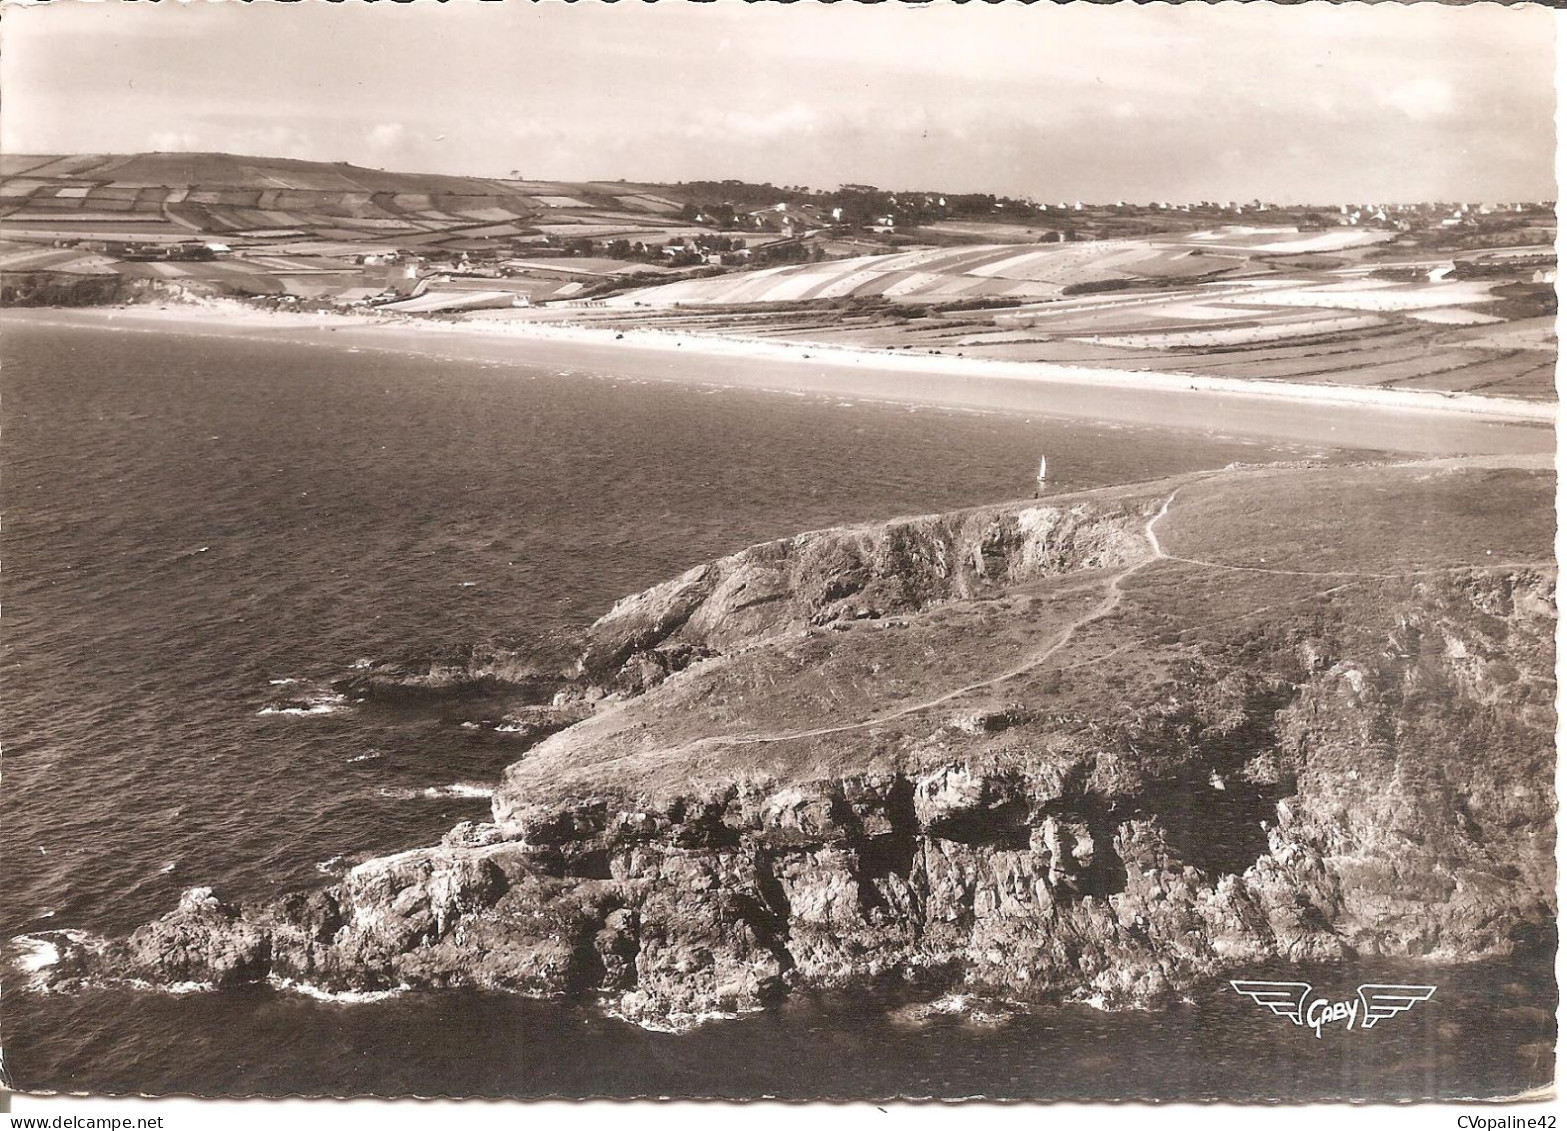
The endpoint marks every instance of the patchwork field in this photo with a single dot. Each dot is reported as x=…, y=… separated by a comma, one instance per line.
x=332, y=215
x=1288, y=241
x=1253, y=319
x=1315, y=302
x=986, y=270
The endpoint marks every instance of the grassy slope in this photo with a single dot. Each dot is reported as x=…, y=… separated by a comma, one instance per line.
x=224, y=170
x=1266, y=566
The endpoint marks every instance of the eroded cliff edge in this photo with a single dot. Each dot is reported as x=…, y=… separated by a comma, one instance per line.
x=1096, y=747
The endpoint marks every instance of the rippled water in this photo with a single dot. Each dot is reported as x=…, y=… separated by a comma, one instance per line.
x=201, y=533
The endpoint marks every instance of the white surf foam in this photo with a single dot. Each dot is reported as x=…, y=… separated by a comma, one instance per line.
x=434, y=792
x=971, y=1009
x=677, y=1022
x=316, y=703
x=36, y=954
x=342, y=997
x=176, y=988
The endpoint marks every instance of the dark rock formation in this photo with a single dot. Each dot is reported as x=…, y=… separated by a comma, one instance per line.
x=855, y=573
x=1363, y=770
x=471, y=672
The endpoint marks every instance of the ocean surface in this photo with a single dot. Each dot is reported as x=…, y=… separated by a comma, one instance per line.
x=202, y=533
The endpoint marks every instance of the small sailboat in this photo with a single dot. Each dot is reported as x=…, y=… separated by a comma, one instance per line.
x=1039, y=484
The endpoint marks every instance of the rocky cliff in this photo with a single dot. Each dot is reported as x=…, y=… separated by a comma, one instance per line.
x=856, y=573
x=60, y=288
x=1096, y=748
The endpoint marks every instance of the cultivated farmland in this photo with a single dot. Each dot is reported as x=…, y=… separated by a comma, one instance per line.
x=1216, y=303
x=980, y=271
x=1436, y=302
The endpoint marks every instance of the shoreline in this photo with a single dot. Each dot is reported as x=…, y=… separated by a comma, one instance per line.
x=628, y=782
x=1342, y=416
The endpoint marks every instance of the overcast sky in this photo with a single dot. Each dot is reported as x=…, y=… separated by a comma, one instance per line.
x=1308, y=103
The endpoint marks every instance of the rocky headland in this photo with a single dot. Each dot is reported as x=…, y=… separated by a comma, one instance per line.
x=1098, y=747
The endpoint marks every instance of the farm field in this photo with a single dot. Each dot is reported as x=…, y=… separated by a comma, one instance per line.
x=580, y=265
x=1288, y=241
x=1252, y=319
x=25, y=257
x=1252, y=333
x=261, y=209
x=1317, y=303
x=433, y=302
x=979, y=271
x=1365, y=295
x=1450, y=316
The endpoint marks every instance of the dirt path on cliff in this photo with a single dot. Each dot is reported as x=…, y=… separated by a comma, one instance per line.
x=1114, y=591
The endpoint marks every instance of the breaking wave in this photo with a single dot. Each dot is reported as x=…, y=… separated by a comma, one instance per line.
x=970, y=1009
x=333, y=865
x=342, y=997
x=291, y=699
x=37, y=954
x=456, y=789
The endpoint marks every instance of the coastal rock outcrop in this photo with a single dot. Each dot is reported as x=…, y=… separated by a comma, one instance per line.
x=856, y=573
x=474, y=672
x=1212, y=766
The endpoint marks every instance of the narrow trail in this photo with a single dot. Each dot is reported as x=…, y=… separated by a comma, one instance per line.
x=1110, y=602
x=1114, y=592
x=1350, y=574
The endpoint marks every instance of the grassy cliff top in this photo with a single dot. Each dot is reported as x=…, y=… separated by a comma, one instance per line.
x=1052, y=633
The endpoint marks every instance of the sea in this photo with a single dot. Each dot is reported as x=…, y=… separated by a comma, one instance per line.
x=204, y=532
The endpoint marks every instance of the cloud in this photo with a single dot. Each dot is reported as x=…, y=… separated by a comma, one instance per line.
x=738, y=124
x=1422, y=100
x=1091, y=101
x=276, y=141
x=173, y=141
x=387, y=135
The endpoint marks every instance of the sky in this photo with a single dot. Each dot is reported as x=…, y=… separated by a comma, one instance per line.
x=1291, y=104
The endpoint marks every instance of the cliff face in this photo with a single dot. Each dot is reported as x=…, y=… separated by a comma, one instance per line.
x=59, y=288
x=856, y=573
x=1190, y=767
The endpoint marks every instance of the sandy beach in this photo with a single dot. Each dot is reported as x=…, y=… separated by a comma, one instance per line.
x=1418, y=422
